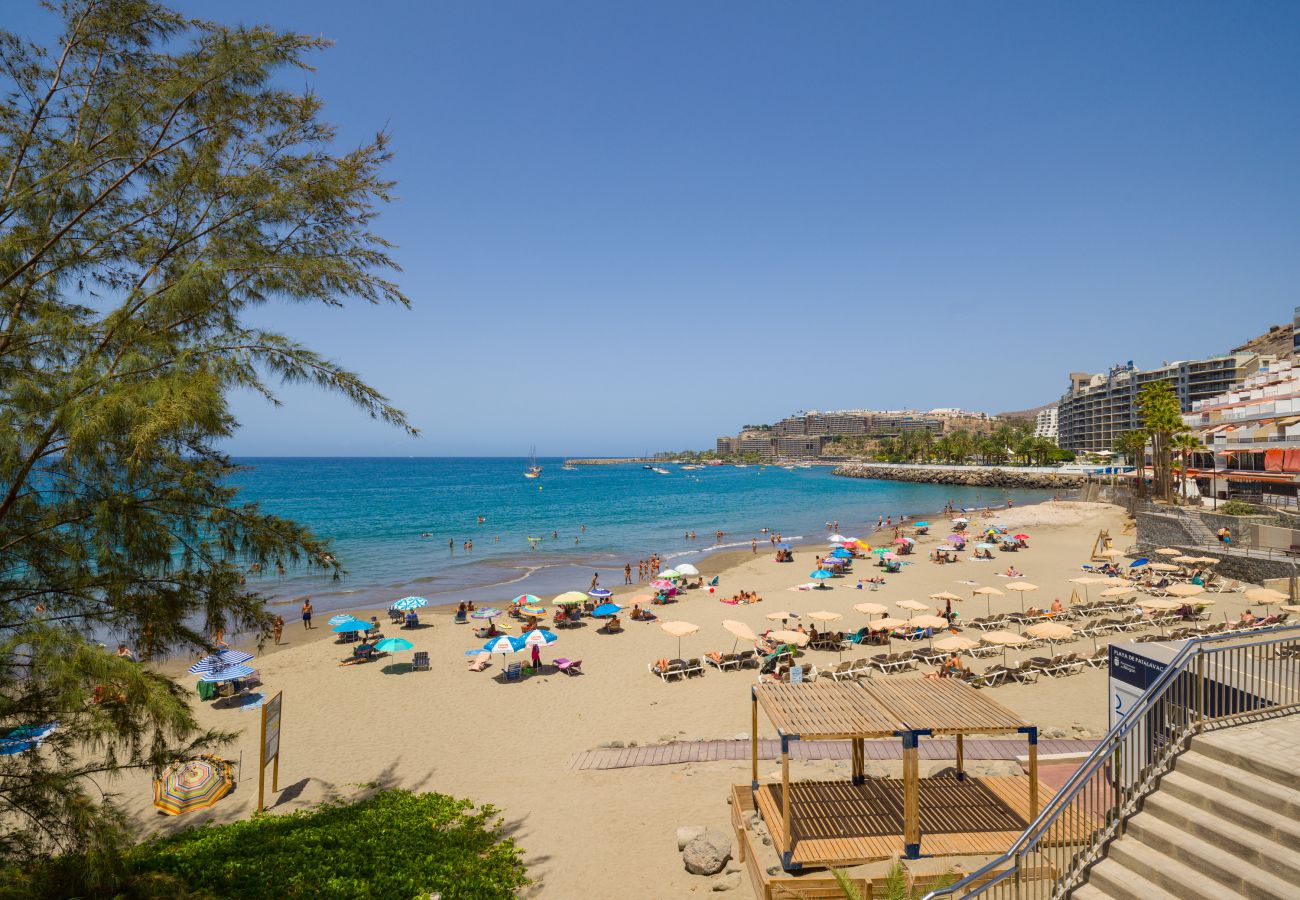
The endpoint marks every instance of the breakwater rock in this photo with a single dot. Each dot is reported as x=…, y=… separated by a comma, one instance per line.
x=973, y=476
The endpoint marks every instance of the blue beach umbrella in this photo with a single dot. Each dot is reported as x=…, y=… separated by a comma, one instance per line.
x=410, y=603
x=341, y=618
x=783, y=546
x=841, y=554
x=606, y=609
x=503, y=644
x=821, y=575
x=393, y=645
x=600, y=593
x=538, y=636
x=25, y=737
x=351, y=625
x=229, y=673
x=220, y=661
x=1139, y=562
x=921, y=524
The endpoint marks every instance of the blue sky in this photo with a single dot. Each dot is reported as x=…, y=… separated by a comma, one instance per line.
x=628, y=227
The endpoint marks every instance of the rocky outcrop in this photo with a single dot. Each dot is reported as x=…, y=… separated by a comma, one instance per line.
x=707, y=853
x=972, y=476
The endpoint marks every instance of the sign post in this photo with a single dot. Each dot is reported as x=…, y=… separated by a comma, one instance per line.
x=270, y=748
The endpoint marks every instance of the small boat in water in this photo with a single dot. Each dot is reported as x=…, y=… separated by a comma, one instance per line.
x=659, y=471
x=533, y=470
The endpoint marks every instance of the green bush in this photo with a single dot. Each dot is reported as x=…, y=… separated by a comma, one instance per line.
x=1237, y=508
x=395, y=844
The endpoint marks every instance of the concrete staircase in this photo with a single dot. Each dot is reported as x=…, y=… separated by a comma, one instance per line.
x=1225, y=823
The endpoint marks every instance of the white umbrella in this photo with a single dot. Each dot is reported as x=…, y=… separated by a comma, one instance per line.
x=742, y=632
x=945, y=595
x=1265, y=596
x=798, y=638
x=1118, y=591
x=1052, y=631
x=1159, y=603
x=781, y=614
x=989, y=593
x=688, y=569
x=955, y=643
x=912, y=605
x=1022, y=588
x=871, y=609
x=824, y=616
x=1004, y=639
x=1184, y=590
x=1168, y=551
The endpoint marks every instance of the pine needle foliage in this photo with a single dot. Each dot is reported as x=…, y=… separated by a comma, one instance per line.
x=157, y=183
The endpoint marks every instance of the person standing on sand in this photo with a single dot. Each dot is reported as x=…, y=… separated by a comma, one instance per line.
x=278, y=628
x=753, y=544
x=306, y=613
x=627, y=573
x=595, y=579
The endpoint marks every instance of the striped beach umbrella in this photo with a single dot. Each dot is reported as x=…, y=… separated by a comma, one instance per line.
x=600, y=593
x=503, y=644
x=528, y=600
x=25, y=737
x=489, y=612
x=538, y=636
x=410, y=603
x=192, y=784
x=229, y=673
x=341, y=618
x=530, y=610
x=222, y=660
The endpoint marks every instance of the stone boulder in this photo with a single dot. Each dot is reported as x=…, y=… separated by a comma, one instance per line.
x=688, y=833
x=707, y=853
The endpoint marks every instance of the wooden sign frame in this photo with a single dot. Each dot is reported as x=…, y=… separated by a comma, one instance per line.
x=269, y=747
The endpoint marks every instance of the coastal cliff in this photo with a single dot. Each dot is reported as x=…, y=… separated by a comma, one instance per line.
x=973, y=476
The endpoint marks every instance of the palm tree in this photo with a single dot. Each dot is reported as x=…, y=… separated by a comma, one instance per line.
x=1133, y=446
x=1186, y=444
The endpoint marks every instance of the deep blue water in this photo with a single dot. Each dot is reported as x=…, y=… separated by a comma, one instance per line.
x=376, y=512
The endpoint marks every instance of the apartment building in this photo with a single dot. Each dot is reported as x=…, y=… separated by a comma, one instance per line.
x=1046, y=425
x=1098, y=408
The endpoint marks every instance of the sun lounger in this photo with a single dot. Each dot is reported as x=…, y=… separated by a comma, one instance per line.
x=990, y=677
x=666, y=669
x=569, y=666
x=478, y=663
x=746, y=658
x=461, y=618
x=692, y=667
x=420, y=661
x=513, y=672
x=1022, y=672
x=841, y=670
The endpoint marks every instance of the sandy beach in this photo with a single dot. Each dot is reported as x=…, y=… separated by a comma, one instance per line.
x=598, y=834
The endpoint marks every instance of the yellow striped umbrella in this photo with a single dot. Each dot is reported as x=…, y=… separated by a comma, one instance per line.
x=192, y=784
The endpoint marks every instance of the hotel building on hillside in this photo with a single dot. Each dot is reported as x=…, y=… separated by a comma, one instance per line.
x=1046, y=424
x=1098, y=408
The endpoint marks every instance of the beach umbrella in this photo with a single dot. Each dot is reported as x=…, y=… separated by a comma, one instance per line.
x=1207, y=560
x=354, y=625
x=533, y=610
x=783, y=546
x=821, y=575
x=989, y=593
x=688, y=569
x=528, y=600
x=985, y=545
x=886, y=624
x=1185, y=559
x=1139, y=562
x=1291, y=607
x=928, y=622
x=600, y=593
x=669, y=574
x=1052, y=631
x=639, y=599
x=1004, y=639
x=955, y=643
x=1159, y=604
x=220, y=660
x=889, y=556
x=1184, y=590
x=410, y=603
x=1118, y=591
x=841, y=554
x=606, y=609
x=961, y=519
x=488, y=612
x=946, y=596
x=570, y=598
x=192, y=784
x=798, y=638
x=880, y=551
x=825, y=616
x=1264, y=596
x=903, y=541
x=742, y=632
x=394, y=645
x=1168, y=551
x=502, y=644
x=341, y=618
x=679, y=630
x=1022, y=588
x=956, y=538
x=912, y=605
x=781, y=615
x=1086, y=580
x=837, y=539
x=1022, y=537
x=229, y=673
x=662, y=585
x=539, y=637
x=25, y=737
x=1164, y=567
x=921, y=524
x=871, y=609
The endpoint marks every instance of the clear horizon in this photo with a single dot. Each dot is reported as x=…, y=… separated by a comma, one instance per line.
x=632, y=228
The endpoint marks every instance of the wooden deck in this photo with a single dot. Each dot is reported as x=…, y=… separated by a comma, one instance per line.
x=839, y=823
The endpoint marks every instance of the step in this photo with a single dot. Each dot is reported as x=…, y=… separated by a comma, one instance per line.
x=1113, y=879
x=1087, y=892
x=1260, y=768
x=1250, y=847
x=1170, y=875
x=1280, y=797
x=1275, y=821
x=1208, y=859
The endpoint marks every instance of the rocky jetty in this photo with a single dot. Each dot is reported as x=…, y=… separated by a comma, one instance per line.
x=972, y=476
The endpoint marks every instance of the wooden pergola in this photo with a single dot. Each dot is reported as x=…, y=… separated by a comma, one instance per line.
x=823, y=813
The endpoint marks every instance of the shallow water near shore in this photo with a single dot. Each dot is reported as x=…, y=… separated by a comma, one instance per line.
x=391, y=519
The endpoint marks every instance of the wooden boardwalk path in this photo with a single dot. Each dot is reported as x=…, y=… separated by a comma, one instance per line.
x=713, y=751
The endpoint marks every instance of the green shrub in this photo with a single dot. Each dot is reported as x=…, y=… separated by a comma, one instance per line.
x=1237, y=508
x=395, y=844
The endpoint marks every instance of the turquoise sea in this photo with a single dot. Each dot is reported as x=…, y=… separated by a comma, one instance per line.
x=390, y=520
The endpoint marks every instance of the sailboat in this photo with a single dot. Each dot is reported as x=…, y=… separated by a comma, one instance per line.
x=533, y=470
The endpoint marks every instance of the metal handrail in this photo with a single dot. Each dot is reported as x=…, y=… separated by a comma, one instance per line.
x=1196, y=649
